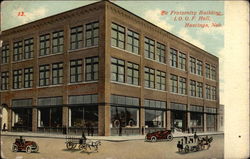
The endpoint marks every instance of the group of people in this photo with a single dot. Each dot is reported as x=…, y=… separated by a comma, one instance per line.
x=187, y=140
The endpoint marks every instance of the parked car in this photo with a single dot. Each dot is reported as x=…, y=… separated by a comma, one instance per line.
x=159, y=135
x=21, y=145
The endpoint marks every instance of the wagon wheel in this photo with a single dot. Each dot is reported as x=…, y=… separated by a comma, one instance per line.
x=186, y=149
x=14, y=148
x=28, y=149
x=170, y=137
x=153, y=139
x=82, y=146
x=70, y=145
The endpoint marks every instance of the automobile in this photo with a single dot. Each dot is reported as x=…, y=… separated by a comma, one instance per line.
x=159, y=135
x=21, y=145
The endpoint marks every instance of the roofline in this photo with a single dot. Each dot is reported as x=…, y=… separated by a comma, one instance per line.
x=116, y=6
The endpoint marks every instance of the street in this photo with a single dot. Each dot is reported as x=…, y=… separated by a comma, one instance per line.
x=50, y=148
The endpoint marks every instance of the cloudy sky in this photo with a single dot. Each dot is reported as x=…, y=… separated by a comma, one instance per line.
x=210, y=39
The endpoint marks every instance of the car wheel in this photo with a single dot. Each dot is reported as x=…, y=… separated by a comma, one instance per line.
x=14, y=148
x=153, y=139
x=37, y=148
x=28, y=149
x=170, y=137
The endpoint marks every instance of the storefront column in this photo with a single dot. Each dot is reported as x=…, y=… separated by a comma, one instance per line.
x=188, y=120
x=34, y=119
x=205, y=122
x=142, y=121
x=10, y=112
x=104, y=120
x=65, y=116
x=168, y=120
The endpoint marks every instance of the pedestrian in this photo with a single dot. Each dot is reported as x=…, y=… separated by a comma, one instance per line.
x=185, y=138
x=188, y=130
x=83, y=136
x=192, y=130
x=179, y=146
x=88, y=128
x=195, y=136
x=120, y=130
x=4, y=127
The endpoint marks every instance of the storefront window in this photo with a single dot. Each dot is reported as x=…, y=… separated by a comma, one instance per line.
x=124, y=117
x=210, y=120
x=50, y=117
x=22, y=118
x=196, y=119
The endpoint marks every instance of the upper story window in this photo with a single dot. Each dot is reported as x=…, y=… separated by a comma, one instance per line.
x=208, y=92
x=132, y=73
x=118, y=36
x=149, y=48
x=17, y=79
x=160, y=80
x=192, y=88
x=92, y=68
x=117, y=70
x=18, y=51
x=192, y=64
x=76, y=71
x=182, y=61
x=182, y=85
x=28, y=48
x=213, y=90
x=76, y=37
x=44, y=71
x=4, y=80
x=57, y=73
x=174, y=81
x=213, y=73
x=199, y=67
x=199, y=90
x=28, y=77
x=160, y=53
x=92, y=34
x=173, y=57
x=57, y=42
x=5, y=54
x=133, y=42
x=208, y=71
x=44, y=45
x=149, y=77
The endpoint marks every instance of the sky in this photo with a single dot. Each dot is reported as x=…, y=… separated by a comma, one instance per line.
x=165, y=14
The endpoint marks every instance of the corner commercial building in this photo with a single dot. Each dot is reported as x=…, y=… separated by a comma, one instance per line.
x=103, y=67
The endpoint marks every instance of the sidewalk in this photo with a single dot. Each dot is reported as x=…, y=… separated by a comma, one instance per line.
x=103, y=138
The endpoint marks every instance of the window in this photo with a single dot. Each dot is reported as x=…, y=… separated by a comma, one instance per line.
x=199, y=90
x=91, y=69
x=44, y=75
x=173, y=57
x=207, y=71
x=57, y=73
x=149, y=77
x=153, y=116
x=76, y=37
x=173, y=79
x=199, y=67
x=44, y=45
x=149, y=48
x=124, y=100
x=132, y=73
x=75, y=71
x=208, y=92
x=213, y=92
x=28, y=77
x=57, y=43
x=28, y=48
x=17, y=79
x=192, y=88
x=117, y=70
x=182, y=85
x=133, y=42
x=4, y=80
x=213, y=73
x=160, y=80
x=5, y=54
x=118, y=36
x=92, y=34
x=84, y=99
x=192, y=65
x=182, y=61
x=18, y=51
x=160, y=53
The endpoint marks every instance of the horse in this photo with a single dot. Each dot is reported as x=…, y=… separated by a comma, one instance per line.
x=93, y=144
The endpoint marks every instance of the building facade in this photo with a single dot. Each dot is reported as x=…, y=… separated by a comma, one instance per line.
x=102, y=67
